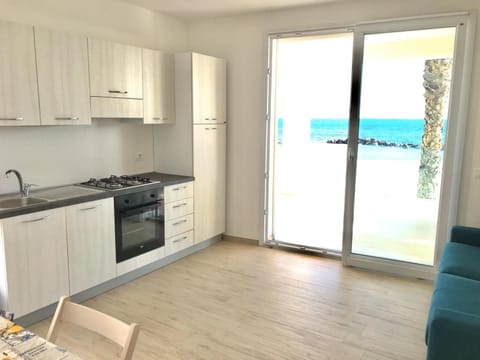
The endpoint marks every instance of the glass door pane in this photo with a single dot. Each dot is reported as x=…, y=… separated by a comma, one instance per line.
x=403, y=121
x=312, y=77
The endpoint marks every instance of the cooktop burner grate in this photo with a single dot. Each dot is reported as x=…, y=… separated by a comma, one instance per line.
x=117, y=182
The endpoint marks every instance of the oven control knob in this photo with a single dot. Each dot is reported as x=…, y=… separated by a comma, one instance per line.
x=126, y=201
x=152, y=195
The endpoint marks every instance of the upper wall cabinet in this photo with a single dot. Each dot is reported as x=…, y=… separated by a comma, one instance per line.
x=18, y=78
x=115, y=69
x=62, y=63
x=158, y=87
x=115, y=80
x=209, y=83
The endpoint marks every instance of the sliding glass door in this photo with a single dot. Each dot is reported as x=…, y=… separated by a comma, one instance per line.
x=312, y=87
x=400, y=146
x=401, y=143
x=400, y=194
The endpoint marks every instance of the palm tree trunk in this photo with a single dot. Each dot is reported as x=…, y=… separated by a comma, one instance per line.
x=437, y=76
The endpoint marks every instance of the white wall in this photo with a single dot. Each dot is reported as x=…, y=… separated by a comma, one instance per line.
x=51, y=156
x=242, y=40
x=107, y=19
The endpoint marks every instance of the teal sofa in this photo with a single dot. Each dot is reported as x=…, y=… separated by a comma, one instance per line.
x=453, y=326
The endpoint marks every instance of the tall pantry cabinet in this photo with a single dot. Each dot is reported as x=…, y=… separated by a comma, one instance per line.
x=196, y=144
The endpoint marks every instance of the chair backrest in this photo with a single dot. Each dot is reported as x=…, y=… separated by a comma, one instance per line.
x=119, y=332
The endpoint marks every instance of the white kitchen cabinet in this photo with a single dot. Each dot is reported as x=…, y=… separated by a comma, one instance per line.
x=116, y=108
x=18, y=76
x=209, y=79
x=178, y=242
x=34, y=261
x=177, y=192
x=115, y=69
x=210, y=180
x=178, y=225
x=115, y=74
x=179, y=220
x=91, y=244
x=179, y=208
x=158, y=87
x=63, y=80
x=196, y=145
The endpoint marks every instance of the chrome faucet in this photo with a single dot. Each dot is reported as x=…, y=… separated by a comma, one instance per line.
x=24, y=187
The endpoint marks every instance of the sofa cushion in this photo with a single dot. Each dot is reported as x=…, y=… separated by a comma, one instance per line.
x=454, y=293
x=461, y=259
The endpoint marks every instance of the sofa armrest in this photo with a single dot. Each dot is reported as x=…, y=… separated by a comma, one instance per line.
x=465, y=235
x=453, y=335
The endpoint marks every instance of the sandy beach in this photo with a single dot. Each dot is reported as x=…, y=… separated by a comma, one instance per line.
x=389, y=220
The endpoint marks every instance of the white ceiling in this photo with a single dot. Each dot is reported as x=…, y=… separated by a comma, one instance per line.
x=194, y=9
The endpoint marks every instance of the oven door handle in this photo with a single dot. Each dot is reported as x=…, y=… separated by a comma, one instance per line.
x=142, y=208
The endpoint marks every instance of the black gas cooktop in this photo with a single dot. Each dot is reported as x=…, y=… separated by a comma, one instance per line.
x=118, y=182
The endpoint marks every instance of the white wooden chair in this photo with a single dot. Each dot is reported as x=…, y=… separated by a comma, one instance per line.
x=119, y=332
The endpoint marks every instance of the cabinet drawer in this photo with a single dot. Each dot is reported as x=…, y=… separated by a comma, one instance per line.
x=179, y=242
x=178, y=192
x=178, y=208
x=116, y=108
x=178, y=226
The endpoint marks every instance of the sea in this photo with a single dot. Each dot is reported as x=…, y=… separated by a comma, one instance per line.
x=398, y=131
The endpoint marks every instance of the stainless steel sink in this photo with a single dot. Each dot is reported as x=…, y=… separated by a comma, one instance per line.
x=19, y=202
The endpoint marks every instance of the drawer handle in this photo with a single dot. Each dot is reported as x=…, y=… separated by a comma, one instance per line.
x=118, y=92
x=178, y=240
x=180, y=222
x=160, y=118
x=12, y=118
x=67, y=118
x=34, y=220
x=88, y=208
x=179, y=205
x=179, y=188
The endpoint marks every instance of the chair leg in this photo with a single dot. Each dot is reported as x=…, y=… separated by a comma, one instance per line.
x=130, y=342
x=55, y=324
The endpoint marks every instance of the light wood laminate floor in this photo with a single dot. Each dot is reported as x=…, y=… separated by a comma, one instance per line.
x=240, y=301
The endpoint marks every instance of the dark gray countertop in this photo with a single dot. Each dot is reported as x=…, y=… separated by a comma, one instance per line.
x=66, y=195
x=167, y=179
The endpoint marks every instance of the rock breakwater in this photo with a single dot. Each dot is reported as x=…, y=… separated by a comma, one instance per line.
x=376, y=142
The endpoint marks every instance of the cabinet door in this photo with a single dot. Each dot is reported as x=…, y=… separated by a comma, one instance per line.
x=158, y=87
x=35, y=259
x=209, y=171
x=91, y=244
x=209, y=89
x=220, y=90
x=62, y=62
x=115, y=69
x=18, y=76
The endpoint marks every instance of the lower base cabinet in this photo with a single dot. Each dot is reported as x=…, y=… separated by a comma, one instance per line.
x=178, y=217
x=64, y=251
x=91, y=244
x=34, y=262
x=179, y=242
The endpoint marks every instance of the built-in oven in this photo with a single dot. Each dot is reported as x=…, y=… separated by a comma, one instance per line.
x=139, y=223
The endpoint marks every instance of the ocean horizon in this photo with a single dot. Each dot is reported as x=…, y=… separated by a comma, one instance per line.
x=398, y=131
